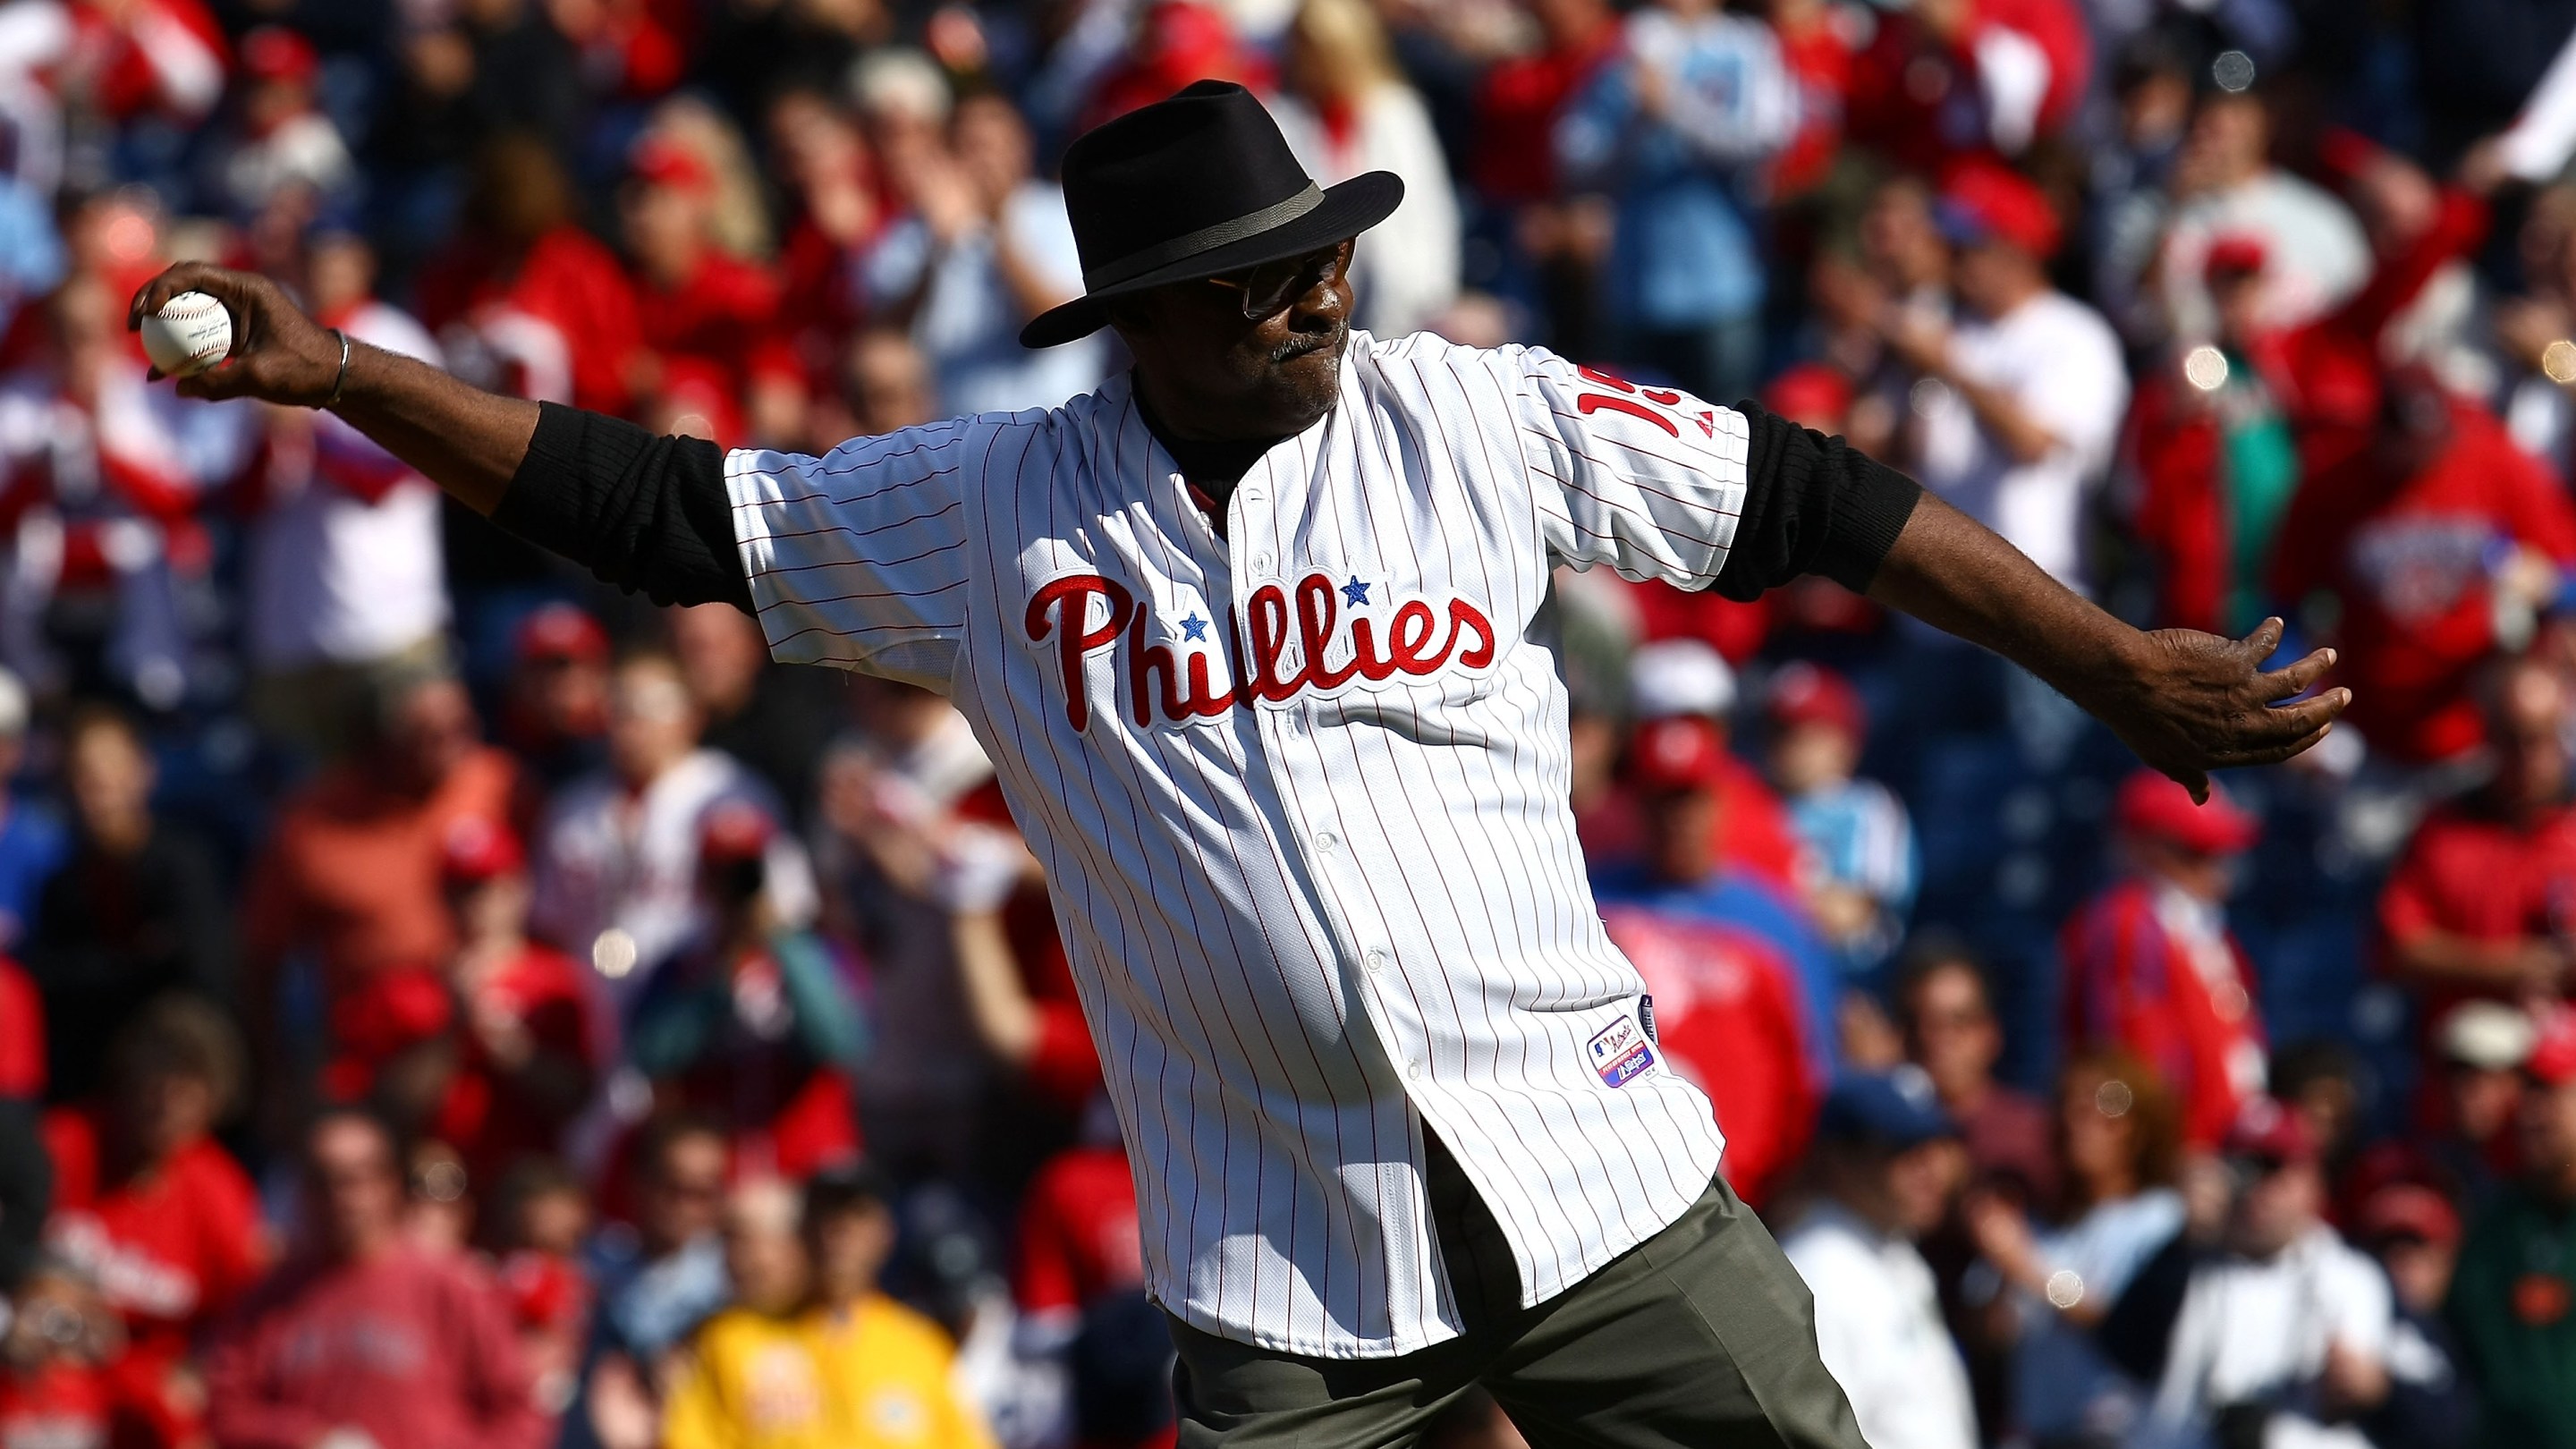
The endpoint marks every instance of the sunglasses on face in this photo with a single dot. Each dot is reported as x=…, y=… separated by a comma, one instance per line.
x=1271, y=286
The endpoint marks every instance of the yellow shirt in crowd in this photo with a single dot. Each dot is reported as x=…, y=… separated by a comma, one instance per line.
x=876, y=1377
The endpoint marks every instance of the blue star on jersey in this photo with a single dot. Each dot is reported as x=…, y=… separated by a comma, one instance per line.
x=1355, y=593
x=1194, y=627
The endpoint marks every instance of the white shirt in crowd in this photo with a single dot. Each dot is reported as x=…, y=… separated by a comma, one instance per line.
x=333, y=577
x=969, y=324
x=2064, y=1389
x=2061, y=363
x=1323, y=890
x=2249, y=1330
x=616, y=875
x=1405, y=271
x=2314, y=252
x=1879, y=1330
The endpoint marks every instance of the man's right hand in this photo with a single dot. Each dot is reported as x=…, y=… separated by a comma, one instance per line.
x=279, y=355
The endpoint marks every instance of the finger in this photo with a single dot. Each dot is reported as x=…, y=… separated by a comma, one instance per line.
x=2275, y=754
x=2290, y=721
x=2265, y=638
x=2196, y=781
x=228, y=287
x=2295, y=678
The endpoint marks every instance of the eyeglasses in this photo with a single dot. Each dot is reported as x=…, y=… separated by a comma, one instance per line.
x=1271, y=286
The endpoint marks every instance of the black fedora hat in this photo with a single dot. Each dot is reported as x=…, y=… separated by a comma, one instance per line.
x=1195, y=185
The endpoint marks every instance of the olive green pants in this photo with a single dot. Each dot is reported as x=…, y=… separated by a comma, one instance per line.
x=1702, y=1335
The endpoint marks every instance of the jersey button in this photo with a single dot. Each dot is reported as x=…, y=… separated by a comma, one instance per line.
x=1375, y=962
x=1261, y=563
x=1327, y=842
x=1413, y=1070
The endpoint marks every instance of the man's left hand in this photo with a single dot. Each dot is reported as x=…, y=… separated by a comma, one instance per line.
x=2190, y=703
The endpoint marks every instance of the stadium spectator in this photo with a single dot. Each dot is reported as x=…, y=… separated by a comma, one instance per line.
x=1859, y=840
x=152, y=1213
x=2226, y=184
x=2414, y=1233
x=362, y=1333
x=1348, y=110
x=136, y=911
x=351, y=872
x=1697, y=96
x=1886, y=1166
x=2119, y=1136
x=346, y=580
x=2479, y=1050
x=2438, y=543
x=519, y=1059
x=777, y=721
x=2516, y=1281
x=2151, y=965
x=1951, y=1034
x=55, y=1386
x=890, y=1372
x=285, y=140
x=986, y=247
x=554, y=709
x=2476, y=905
x=616, y=855
x=542, y=1212
x=1689, y=678
x=707, y=316
x=886, y=385
x=755, y=1023
x=2287, y=1329
x=657, y=1279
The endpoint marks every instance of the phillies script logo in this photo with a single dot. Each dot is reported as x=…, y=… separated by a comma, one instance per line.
x=1314, y=636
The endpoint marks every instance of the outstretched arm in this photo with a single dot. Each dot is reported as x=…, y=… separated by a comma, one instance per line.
x=649, y=513
x=2187, y=702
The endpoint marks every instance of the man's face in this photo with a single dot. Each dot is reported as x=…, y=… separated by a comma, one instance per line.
x=1681, y=835
x=2278, y=1201
x=2482, y=1101
x=432, y=732
x=353, y=1184
x=849, y=1249
x=684, y=1195
x=1949, y=1028
x=652, y=722
x=1219, y=375
x=2548, y=1134
x=1920, y=1181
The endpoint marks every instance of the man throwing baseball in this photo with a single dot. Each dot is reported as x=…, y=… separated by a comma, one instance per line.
x=1259, y=639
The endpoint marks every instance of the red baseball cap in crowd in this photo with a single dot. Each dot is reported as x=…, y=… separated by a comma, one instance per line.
x=2552, y=1062
x=661, y=161
x=1803, y=694
x=392, y=1012
x=1679, y=752
x=1989, y=201
x=734, y=830
x=2271, y=1129
x=2158, y=808
x=560, y=631
x=2234, y=256
x=2408, y=1210
x=275, y=53
x=1810, y=394
x=477, y=850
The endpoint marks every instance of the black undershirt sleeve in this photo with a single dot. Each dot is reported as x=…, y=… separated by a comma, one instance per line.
x=1812, y=505
x=647, y=513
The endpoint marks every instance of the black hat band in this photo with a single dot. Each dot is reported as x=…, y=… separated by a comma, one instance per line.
x=1207, y=238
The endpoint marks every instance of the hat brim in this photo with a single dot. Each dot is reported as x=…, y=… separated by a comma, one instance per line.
x=1346, y=211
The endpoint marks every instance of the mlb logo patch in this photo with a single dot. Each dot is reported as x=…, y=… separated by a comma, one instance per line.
x=1620, y=1053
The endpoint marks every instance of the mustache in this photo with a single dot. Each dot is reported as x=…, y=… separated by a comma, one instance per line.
x=1304, y=343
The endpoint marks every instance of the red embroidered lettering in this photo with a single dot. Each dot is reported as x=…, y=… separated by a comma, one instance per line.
x=1410, y=631
x=1607, y=379
x=1593, y=402
x=1463, y=617
x=1069, y=599
x=1319, y=606
x=1269, y=609
x=1179, y=702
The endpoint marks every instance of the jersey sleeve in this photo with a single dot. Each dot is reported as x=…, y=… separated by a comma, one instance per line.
x=857, y=558
x=1649, y=481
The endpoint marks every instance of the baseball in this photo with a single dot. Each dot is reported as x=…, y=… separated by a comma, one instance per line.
x=190, y=333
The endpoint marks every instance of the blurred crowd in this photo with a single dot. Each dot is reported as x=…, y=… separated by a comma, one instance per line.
x=443, y=1000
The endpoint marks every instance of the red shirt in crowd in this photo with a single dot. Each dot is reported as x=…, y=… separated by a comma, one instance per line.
x=2474, y=873
x=1064, y=1066
x=726, y=315
x=570, y=281
x=169, y=1248
x=414, y=1349
x=1517, y=105
x=1727, y=1011
x=2410, y=555
x=352, y=871
x=1078, y=1230
x=65, y=1404
x=483, y=1116
x=1753, y=829
x=2324, y=375
x=22, y=1034
x=2149, y=969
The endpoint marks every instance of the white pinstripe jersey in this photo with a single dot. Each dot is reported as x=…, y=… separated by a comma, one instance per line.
x=1301, y=793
